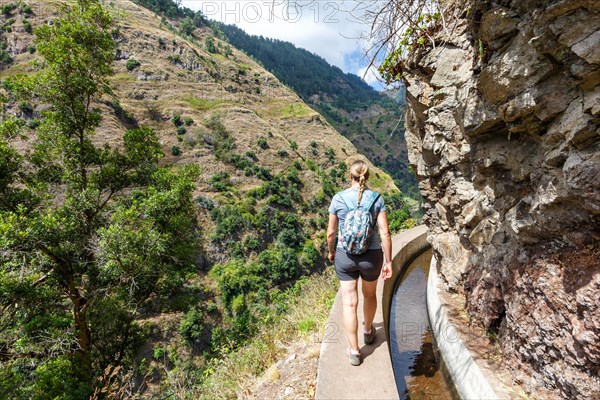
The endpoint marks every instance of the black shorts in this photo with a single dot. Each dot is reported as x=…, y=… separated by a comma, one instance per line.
x=367, y=265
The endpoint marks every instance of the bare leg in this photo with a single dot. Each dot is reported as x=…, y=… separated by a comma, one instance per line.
x=350, y=303
x=369, y=290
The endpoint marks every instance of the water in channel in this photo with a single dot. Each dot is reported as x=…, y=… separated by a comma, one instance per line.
x=418, y=375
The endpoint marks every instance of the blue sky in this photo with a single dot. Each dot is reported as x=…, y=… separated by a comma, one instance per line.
x=333, y=29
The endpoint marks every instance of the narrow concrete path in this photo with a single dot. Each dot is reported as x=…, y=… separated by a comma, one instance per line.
x=374, y=378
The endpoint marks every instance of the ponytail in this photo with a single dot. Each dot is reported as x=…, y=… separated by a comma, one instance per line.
x=361, y=188
x=360, y=172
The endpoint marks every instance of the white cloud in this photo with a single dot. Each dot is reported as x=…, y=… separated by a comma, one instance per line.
x=330, y=29
x=372, y=77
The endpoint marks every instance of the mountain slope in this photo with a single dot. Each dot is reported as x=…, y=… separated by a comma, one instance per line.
x=269, y=164
x=371, y=120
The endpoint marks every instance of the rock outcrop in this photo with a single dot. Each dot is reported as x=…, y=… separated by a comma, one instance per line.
x=504, y=138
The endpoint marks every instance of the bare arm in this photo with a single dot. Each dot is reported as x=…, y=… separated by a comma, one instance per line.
x=331, y=234
x=386, y=243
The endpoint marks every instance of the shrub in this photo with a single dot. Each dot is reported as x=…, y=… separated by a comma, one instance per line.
x=188, y=121
x=294, y=145
x=33, y=123
x=60, y=378
x=187, y=26
x=263, y=174
x=236, y=278
x=181, y=130
x=205, y=202
x=174, y=59
x=191, y=326
x=27, y=26
x=262, y=143
x=310, y=256
x=132, y=64
x=124, y=116
x=251, y=243
x=25, y=107
x=330, y=153
x=31, y=49
x=290, y=237
x=220, y=182
x=210, y=45
x=175, y=150
x=176, y=119
x=282, y=153
x=313, y=144
x=7, y=9
x=278, y=265
x=158, y=353
x=27, y=10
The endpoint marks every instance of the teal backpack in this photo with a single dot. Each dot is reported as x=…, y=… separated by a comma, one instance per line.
x=358, y=226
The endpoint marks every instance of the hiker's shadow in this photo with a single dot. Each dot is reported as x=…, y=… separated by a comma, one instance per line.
x=380, y=339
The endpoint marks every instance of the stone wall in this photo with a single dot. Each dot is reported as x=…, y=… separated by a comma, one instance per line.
x=504, y=137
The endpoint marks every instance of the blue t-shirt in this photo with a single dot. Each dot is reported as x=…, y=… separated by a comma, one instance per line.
x=339, y=208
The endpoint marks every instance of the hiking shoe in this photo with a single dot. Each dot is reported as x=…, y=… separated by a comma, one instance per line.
x=354, y=358
x=370, y=337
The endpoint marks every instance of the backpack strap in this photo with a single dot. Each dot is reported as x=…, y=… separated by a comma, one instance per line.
x=372, y=200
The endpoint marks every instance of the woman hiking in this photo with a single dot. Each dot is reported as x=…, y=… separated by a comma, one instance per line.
x=358, y=252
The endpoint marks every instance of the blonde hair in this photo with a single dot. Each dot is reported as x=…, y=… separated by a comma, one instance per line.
x=360, y=173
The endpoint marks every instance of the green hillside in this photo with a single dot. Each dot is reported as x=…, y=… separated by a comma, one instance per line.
x=371, y=120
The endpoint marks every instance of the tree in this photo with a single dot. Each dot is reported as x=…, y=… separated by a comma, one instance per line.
x=187, y=26
x=210, y=44
x=88, y=233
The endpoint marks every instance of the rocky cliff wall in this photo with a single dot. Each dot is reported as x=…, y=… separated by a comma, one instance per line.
x=504, y=138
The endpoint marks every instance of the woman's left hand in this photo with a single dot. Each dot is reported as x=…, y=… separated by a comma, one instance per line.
x=386, y=272
x=331, y=256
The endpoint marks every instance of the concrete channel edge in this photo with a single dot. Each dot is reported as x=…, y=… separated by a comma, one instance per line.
x=466, y=377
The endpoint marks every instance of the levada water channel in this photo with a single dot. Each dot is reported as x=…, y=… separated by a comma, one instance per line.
x=417, y=372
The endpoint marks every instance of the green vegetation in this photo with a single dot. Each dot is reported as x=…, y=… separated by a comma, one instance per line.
x=278, y=109
x=27, y=26
x=7, y=9
x=89, y=235
x=262, y=143
x=187, y=26
x=209, y=42
x=176, y=120
x=132, y=64
x=205, y=105
x=26, y=10
x=337, y=96
x=307, y=73
x=173, y=9
x=125, y=117
x=414, y=36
